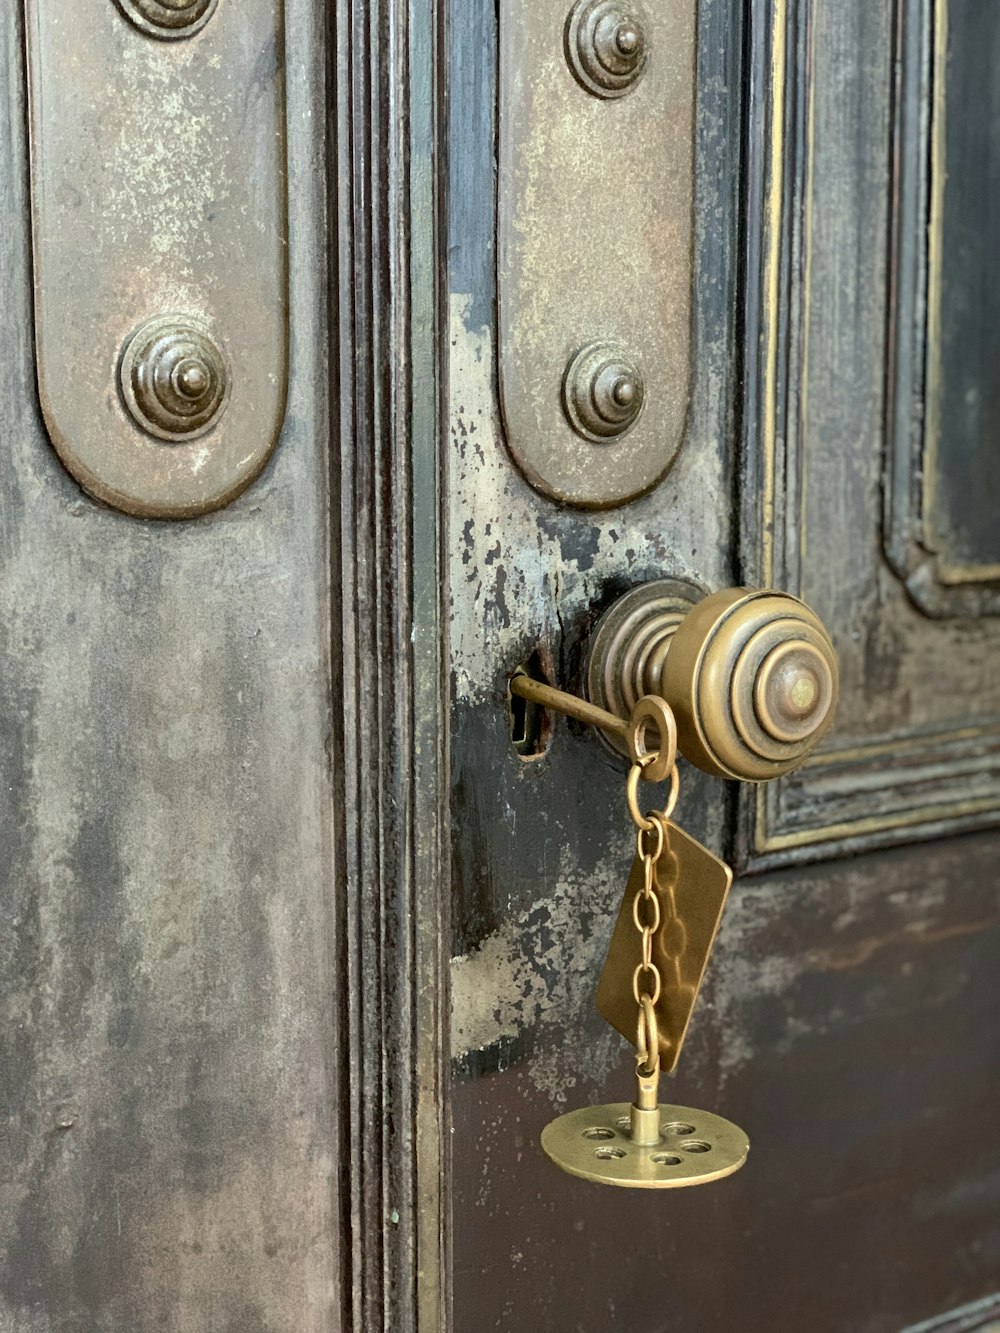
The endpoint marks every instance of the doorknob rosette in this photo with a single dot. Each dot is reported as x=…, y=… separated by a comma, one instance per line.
x=751, y=676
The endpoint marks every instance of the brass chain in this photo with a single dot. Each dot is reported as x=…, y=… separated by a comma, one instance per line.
x=652, y=842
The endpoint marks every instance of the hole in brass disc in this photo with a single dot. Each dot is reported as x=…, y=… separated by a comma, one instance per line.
x=697, y=1145
x=660, y=1165
x=599, y=1133
x=677, y=1127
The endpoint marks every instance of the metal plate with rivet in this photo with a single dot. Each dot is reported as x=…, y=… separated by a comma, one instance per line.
x=160, y=245
x=595, y=241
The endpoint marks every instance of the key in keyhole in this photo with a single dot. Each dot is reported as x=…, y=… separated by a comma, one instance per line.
x=530, y=723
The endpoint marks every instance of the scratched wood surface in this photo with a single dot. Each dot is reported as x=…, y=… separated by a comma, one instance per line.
x=168, y=1131
x=851, y=1012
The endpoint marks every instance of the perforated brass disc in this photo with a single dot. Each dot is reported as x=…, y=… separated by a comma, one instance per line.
x=695, y=1147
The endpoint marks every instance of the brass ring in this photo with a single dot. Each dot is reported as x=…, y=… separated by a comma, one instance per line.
x=646, y=822
x=656, y=764
x=647, y=1039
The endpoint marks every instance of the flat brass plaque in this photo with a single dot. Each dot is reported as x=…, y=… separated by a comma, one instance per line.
x=692, y=886
x=160, y=248
x=595, y=246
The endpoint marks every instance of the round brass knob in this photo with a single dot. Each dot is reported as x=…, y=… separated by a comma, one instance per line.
x=751, y=676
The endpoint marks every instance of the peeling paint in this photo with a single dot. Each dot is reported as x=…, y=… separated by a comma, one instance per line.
x=540, y=968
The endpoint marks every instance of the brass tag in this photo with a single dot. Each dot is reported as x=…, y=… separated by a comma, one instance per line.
x=692, y=886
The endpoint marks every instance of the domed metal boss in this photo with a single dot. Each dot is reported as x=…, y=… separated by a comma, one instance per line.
x=603, y=392
x=168, y=19
x=174, y=378
x=607, y=46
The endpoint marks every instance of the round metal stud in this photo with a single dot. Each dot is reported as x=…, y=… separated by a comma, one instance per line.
x=692, y=1147
x=168, y=19
x=603, y=392
x=174, y=378
x=607, y=46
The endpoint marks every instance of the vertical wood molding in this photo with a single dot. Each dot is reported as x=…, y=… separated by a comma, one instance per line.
x=391, y=753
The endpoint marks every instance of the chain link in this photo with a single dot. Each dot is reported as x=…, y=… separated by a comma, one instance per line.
x=652, y=842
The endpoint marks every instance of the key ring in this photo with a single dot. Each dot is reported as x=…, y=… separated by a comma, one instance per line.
x=647, y=1041
x=643, y=822
x=656, y=764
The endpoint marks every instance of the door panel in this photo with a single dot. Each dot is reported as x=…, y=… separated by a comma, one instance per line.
x=848, y=1019
x=167, y=941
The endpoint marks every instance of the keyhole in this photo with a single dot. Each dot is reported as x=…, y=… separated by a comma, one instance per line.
x=530, y=724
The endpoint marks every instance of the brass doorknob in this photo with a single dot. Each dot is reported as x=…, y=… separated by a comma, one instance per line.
x=751, y=676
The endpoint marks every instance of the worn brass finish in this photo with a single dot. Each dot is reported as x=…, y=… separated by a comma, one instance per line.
x=751, y=676
x=603, y=393
x=159, y=206
x=570, y=705
x=606, y=1144
x=169, y=19
x=691, y=887
x=174, y=378
x=630, y=644
x=607, y=46
x=595, y=241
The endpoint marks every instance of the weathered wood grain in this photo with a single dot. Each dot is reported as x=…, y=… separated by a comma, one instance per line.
x=851, y=1013
x=169, y=1151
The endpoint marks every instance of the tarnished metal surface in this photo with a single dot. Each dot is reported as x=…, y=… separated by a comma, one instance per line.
x=169, y=1079
x=158, y=189
x=595, y=245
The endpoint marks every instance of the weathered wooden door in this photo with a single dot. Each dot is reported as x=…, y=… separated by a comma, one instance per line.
x=841, y=444
x=300, y=929
x=219, y=788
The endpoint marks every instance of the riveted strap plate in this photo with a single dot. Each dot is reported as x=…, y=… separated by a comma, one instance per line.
x=160, y=235
x=595, y=241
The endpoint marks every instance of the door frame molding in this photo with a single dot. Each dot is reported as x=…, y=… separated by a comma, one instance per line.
x=391, y=695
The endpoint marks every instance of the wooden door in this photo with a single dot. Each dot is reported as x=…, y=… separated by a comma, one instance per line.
x=221, y=797
x=841, y=445
x=298, y=954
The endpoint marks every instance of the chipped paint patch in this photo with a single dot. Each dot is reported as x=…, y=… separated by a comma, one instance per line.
x=522, y=568
x=538, y=971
